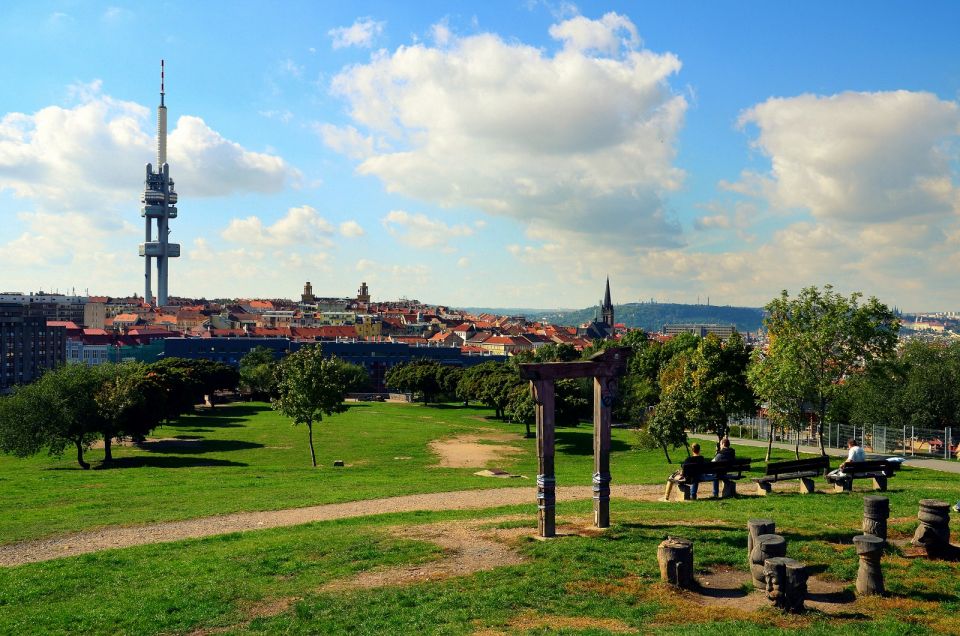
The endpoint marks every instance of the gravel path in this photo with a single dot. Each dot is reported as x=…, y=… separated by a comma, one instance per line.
x=123, y=537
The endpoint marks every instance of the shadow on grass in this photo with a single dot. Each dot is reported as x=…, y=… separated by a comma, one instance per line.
x=197, y=446
x=167, y=461
x=236, y=411
x=722, y=592
x=580, y=442
x=219, y=422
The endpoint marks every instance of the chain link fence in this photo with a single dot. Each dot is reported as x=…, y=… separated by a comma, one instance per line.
x=941, y=443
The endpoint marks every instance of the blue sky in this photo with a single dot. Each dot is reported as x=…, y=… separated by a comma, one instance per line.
x=489, y=154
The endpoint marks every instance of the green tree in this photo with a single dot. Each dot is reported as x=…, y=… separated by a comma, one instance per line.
x=819, y=339
x=718, y=387
x=257, y=372
x=130, y=402
x=53, y=413
x=310, y=386
x=671, y=419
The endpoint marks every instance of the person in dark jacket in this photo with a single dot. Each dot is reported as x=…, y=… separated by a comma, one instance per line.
x=725, y=454
x=695, y=458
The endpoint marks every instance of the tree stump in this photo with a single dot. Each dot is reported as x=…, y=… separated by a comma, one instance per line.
x=675, y=556
x=757, y=527
x=786, y=583
x=933, y=533
x=765, y=546
x=869, y=575
x=876, y=511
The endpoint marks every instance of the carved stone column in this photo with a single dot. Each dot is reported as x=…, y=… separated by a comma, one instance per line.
x=543, y=400
x=675, y=556
x=603, y=396
x=933, y=533
x=876, y=511
x=786, y=583
x=869, y=575
x=765, y=546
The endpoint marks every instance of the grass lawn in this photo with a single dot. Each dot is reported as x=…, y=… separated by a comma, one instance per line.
x=271, y=581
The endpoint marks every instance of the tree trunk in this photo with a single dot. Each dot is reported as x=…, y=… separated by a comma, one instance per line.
x=823, y=417
x=665, y=452
x=796, y=449
x=769, y=444
x=528, y=428
x=107, y=451
x=313, y=455
x=80, y=461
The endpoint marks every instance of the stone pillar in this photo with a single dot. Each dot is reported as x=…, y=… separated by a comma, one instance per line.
x=603, y=395
x=933, y=533
x=765, y=546
x=543, y=400
x=785, y=581
x=869, y=575
x=675, y=556
x=876, y=511
x=757, y=527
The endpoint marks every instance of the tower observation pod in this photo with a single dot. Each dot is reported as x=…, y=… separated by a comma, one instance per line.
x=159, y=203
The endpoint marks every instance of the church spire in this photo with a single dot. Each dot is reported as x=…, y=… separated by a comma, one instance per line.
x=607, y=307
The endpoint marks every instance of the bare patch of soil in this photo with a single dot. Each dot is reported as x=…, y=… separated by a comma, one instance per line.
x=467, y=546
x=474, y=450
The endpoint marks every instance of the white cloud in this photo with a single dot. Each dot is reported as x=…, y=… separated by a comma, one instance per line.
x=300, y=226
x=417, y=230
x=91, y=156
x=208, y=165
x=513, y=131
x=346, y=140
x=441, y=33
x=361, y=33
x=605, y=35
x=857, y=157
x=463, y=262
x=351, y=229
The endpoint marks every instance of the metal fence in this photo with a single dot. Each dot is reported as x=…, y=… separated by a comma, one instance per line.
x=882, y=440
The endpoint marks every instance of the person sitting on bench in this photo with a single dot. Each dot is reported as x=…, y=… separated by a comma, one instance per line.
x=855, y=453
x=696, y=458
x=725, y=454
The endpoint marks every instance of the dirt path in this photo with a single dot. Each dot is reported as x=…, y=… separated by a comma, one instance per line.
x=123, y=537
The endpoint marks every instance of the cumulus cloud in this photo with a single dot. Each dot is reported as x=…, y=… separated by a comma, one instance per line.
x=346, y=140
x=417, y=230
x=605, y=35
x=91, y=155
x=351, y=229
x=208, y=165
x=857, y=157
x=361, y=33
x=302, y=225
x=515, y=131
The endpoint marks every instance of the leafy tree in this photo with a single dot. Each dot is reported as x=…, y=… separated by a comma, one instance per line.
x=785, y=391
x=718, y=387
x=423, y=377
x=310, y=386
x=130, y=402
x=56, y=411
x=179, y=388
x=670, y=418
x=821, y=338
x=257, y=372
x=357, y=378
x=569, y=404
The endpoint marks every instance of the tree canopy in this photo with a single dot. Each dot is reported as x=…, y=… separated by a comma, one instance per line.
x=817, y=340
x=309, y=386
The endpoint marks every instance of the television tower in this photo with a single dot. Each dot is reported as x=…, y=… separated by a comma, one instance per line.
x=159, y=202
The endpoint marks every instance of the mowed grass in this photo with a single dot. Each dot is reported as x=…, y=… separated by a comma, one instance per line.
x=270, y=581
x=250, y=458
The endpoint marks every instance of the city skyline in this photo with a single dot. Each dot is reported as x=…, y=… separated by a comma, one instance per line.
x=513, y=154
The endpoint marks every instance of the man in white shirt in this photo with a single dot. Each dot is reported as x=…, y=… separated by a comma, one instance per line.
x=854, y=453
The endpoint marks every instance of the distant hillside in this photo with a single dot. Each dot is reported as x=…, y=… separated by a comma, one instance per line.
x=652, y=316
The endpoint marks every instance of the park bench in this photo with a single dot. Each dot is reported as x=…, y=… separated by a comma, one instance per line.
x=877, y=469
x=727, y=472
x=802, y=469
